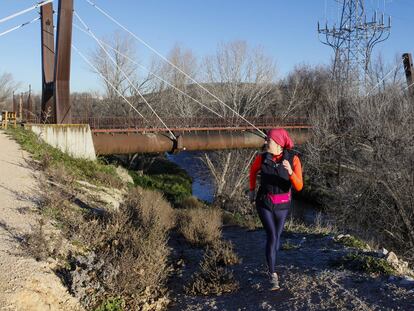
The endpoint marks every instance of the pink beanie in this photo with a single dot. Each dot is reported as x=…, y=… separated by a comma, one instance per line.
x=281, y=137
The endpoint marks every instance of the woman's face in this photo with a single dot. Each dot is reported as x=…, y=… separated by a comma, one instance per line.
x=273, y=147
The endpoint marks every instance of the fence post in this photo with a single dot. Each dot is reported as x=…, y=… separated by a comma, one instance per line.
x=409, y=73
x=21, y=106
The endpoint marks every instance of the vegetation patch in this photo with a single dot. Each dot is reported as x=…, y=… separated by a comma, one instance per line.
x=287, y=246
x=96, y=172
x=351, y=241
x=118, y=253
x=224, y=253
x=112, y=304
x=363, y=263
x=318, y=228
x=249, y=221
x=213, y=277
x=176, y=188
x=200, y=226
x=191, y=202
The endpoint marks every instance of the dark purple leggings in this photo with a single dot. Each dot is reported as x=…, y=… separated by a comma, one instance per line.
x=273, y=222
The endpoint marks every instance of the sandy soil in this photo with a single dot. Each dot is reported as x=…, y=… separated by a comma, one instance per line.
x=25, y=284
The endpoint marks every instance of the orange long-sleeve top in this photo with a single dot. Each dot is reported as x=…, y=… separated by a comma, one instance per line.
x=296, y=178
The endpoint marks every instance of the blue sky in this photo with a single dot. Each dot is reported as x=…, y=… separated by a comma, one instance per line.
x=285, y=28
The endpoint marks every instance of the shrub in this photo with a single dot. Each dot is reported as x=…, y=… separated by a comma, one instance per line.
x=152, y=207
x=213, y=278
x=224, y=253
x=113, y=304
x=250, y=222
x=175, y=188
x=351, y=241
x=200, y=226
x=364, y=263
x=128, y=257
x=318, y=228
x=289, y=246
x=191, y=202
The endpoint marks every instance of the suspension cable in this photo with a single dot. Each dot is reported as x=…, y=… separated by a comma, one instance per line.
x=123, y=73
x=407, y=87
x=19, y=26
x=106, y=80
x=25, y=11
x=173, y=65
x=151, y=73
x=382, y=80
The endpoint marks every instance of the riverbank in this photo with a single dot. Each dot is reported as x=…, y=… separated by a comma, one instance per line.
x=205, y=265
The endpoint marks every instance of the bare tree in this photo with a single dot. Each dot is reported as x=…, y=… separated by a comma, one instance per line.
x=7, y=86
x=117, y=73
x=173, y=101
x=244, y=79
x=382, y=75
x=303, y=89
x=362, y=163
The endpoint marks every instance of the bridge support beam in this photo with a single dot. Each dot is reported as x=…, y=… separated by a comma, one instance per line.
x=130, y=143
x=409, y=72
x=48, y=112
x=62, y=62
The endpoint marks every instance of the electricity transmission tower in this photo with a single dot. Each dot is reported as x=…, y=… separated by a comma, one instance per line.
x=353, y=40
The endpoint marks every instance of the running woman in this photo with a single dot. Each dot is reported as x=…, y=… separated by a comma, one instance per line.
x=280, y=171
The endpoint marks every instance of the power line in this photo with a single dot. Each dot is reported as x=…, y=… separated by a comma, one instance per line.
x=173, y=65
x=25, y=11
x=19, y=26
x=152, y=73
x=123, y=72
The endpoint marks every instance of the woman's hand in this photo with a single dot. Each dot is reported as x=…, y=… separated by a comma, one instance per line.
x=287, y=166
x=252, y=196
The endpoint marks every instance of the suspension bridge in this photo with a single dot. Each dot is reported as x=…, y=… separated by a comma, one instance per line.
x=140, y=134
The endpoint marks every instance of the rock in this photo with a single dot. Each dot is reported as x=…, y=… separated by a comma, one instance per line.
x=403, y=264
x=392, y=258
x=392, y=278
x=407, y=281
x=123, y=174
x=384, y=251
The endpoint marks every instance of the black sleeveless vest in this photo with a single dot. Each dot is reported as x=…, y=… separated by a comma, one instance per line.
x=274, y=180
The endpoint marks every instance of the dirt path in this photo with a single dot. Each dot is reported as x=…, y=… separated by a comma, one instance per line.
x=25, y=284
x=308, y=280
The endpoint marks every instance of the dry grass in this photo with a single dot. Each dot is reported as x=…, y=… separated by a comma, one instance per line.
x=152, y=207
x=191, y=202
x=224, y=253
x=200, y=226
x=131, y=250
x=35, y=243
x=319, y=227
x=110, y=179
x=124, y=252
x=213, y=277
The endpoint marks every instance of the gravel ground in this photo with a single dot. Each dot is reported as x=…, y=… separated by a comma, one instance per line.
x=308, y=282
x=25, y=284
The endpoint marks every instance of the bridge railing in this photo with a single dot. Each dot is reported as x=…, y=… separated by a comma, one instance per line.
x=101, y=123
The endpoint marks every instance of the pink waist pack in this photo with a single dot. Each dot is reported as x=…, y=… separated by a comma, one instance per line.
x=280, y=198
